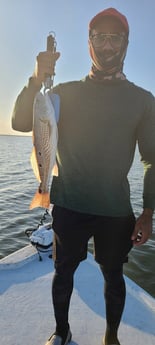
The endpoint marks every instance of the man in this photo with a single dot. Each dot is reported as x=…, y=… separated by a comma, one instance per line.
x=102, y=117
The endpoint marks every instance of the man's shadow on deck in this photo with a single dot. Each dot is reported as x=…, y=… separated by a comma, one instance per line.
x=90, y=285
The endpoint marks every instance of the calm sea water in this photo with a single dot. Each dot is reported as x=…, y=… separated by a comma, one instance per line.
x=17, y=187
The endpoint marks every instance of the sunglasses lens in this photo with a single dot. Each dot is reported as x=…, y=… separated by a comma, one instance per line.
x=99, y=40
x=116, y=40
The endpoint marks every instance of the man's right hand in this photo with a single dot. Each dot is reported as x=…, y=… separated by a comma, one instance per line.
x=45, y=65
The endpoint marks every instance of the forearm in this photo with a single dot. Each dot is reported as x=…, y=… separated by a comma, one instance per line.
x=149, y=188
x=22, y=116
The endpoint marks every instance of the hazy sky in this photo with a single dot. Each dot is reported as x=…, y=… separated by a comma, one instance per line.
x=25, y=24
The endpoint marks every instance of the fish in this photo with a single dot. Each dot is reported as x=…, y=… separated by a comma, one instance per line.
x=43, y=156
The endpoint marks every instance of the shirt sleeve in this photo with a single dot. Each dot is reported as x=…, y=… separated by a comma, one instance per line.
x=22, y=116
x=146, y=143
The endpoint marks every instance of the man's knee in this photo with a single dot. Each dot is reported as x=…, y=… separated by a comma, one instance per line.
x=113, y=277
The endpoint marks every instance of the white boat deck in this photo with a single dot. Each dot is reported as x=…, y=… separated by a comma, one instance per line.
x=26, y=316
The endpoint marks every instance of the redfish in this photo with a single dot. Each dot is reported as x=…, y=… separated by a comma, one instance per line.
x=43, y=157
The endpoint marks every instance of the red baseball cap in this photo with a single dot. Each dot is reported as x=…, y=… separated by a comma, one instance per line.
x=112, y=12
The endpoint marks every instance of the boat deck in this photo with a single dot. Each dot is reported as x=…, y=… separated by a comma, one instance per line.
x=26, y=316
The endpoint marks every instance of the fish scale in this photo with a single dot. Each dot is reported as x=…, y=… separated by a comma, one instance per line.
x=43, y=157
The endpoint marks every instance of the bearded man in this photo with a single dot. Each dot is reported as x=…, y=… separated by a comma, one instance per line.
x=102, y=118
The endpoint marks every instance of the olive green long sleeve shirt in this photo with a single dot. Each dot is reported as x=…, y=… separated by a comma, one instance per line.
x=99, y=127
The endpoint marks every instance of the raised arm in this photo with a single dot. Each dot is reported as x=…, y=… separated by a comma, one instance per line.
x=22, y=116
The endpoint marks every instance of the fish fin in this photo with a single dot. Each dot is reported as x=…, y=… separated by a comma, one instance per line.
x=40, y=200
x=34, y=164
x=55, y=170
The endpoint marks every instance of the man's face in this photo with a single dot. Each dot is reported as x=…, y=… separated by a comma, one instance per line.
x=108, y=43
x=107, y=36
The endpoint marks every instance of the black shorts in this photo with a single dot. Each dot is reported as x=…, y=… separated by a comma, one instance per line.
x=72, y=231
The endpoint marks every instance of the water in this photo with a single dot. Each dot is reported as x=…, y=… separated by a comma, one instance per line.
x=17, y=187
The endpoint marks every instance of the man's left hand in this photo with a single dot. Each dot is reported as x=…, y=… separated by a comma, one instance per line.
x=143, y=228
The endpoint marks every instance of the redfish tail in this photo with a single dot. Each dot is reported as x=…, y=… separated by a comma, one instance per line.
x=40, y=200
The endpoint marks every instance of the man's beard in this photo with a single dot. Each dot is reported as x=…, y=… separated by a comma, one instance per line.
x=108, y=62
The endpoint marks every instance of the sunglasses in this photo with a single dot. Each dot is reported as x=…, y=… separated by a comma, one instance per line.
x=100, y=39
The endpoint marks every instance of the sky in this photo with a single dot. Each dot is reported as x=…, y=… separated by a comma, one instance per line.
x=25, y=25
